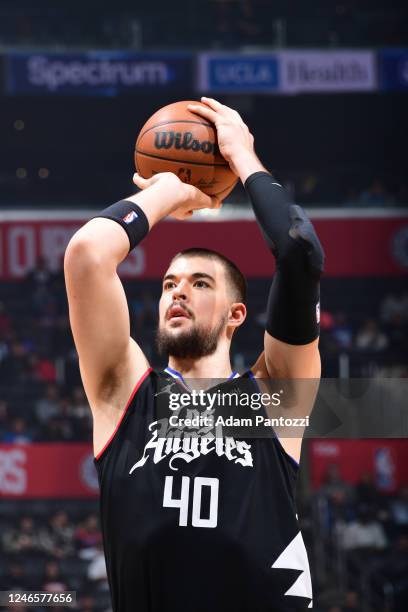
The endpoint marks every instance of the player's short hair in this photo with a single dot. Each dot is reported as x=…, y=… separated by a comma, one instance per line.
x=236, y=278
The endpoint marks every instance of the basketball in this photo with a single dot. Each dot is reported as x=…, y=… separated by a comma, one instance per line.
x=176, y=140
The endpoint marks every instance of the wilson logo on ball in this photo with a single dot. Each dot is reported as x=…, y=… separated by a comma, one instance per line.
x=185, y=141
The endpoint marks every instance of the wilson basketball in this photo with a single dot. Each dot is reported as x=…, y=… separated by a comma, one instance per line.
x=176, y=140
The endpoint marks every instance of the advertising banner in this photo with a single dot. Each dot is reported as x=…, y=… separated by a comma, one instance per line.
x=354, y=246
x=385, y=460
x=394, y=69
x=229, y=73
x=97, y=73
x=327, y=71
x=47, y=470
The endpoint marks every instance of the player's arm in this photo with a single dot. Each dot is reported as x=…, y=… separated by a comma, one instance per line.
x=292, y=312
x=110, y=361
x=292, y=329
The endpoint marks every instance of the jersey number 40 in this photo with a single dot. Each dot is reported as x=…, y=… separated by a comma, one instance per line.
x=183, y=501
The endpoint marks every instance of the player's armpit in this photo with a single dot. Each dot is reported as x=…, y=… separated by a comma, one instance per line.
x=294, y=372
x=285, y=360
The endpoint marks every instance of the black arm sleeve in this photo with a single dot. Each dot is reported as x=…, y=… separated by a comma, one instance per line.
x=293, y=310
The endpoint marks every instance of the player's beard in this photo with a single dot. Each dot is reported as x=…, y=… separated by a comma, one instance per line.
x=191, y=344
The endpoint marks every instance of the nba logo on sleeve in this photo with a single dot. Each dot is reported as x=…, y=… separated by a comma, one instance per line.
x=318, y=312
x=130, y=217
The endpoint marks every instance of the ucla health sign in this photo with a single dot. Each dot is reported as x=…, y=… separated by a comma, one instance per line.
x=289, y=72
x=394, y=69
x=96, y=73
x=319, y=71
x=219, y=72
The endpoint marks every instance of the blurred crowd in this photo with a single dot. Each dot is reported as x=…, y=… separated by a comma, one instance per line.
x=328, y=189
x=55, y=553
x=364, y=531
x=383, y=335
x=314, y=188
x=215, y=24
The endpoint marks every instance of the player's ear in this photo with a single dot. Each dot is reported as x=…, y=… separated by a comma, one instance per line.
x=237, y=314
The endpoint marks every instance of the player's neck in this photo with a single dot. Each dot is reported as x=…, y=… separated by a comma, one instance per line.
x=217, y=365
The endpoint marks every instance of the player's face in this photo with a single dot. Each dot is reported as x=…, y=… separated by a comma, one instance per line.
x=194, y=307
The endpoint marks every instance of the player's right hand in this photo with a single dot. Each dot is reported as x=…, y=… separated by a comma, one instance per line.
x=180, y=198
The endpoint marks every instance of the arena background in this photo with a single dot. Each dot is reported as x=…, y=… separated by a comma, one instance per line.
x=323, y=88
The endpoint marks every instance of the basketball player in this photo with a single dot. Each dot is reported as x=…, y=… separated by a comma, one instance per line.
x=208, y=524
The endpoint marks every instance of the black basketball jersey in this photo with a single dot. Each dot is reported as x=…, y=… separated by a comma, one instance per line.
x=204, y=523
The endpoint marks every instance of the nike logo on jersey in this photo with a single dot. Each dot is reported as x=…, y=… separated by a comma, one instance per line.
x=173, y=443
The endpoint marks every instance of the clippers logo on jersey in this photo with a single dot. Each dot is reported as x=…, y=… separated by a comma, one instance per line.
x=130, y=217
x=294, y=557
x=172, y=442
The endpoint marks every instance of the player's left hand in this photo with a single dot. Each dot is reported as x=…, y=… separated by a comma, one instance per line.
x=234, y=137
x=187, y=198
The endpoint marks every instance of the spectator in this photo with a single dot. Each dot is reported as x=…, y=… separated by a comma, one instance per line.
x=376, y=195
x=40, y=275
x=393, y=305
x=366, y=492
x=370, y=337
x=4, y=350
x=80, y=406
x=18, y=432
x=52, y=580
x=352, y=198
x=392, y=571
x=222, y=23
x=48, y=318
x=81, y=413
x=87, y=603
x=5, y=321
x=97, y=569
x=14, y=366
x=399, y=508
x=4, y=415
x=144, y=310
x=248, y=23
x=24, y=539
x=16, y=578
x=351, y=602
x=363, y=533
x=88, y=537
x=342, y=332
x=60, y=428
x=42, y=369
x=337, y=491
x=47, y=406
x=59, y=535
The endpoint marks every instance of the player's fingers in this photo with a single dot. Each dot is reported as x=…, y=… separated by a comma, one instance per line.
x=222, y=109
x=214, y=104
x=141, y=182
x=202, y=200
x=180, y=216
x=203, y=111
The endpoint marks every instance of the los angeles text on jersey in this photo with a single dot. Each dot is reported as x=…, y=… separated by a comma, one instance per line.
x=230, y=421
x=174, y=444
